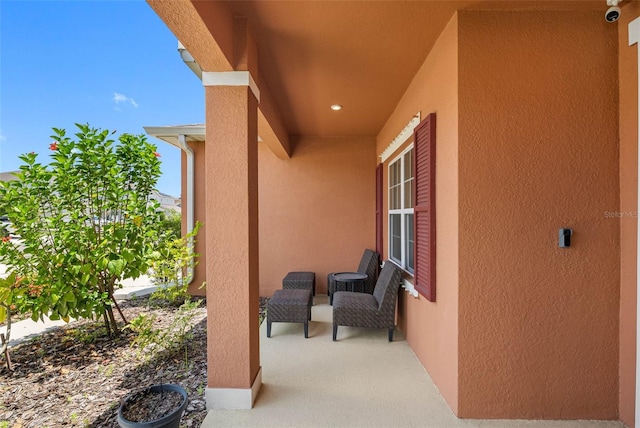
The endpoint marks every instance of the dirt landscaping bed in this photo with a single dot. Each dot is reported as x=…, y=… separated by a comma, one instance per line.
x=75, y=376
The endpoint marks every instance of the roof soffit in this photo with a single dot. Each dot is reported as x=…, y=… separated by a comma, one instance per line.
x=361, y=54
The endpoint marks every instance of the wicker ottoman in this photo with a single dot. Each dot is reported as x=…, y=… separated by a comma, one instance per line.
x=289, y=306
x=300, y=280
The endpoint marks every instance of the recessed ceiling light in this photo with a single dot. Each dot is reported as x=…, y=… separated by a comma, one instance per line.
x=336, y=107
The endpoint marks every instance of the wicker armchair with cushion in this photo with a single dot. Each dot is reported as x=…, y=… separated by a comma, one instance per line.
x=366, y=310
x=368, y=264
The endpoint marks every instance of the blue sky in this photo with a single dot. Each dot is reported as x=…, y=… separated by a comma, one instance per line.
x=112, y=64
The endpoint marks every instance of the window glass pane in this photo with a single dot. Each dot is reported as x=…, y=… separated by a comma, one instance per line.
x=395, y=237
x=392, y=173
x=393, y=197
x=408, y=179
x=394, y=185
x=395, y=173
x=408, y=194
x=408, y=165
x=409, y=241
x=401, y=204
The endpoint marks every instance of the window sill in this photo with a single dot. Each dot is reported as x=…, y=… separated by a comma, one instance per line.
x=409, y=288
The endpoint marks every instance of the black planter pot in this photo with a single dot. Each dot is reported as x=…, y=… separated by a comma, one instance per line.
x=172, y=420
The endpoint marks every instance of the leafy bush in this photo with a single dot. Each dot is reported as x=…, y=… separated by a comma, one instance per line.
x=4, y=232
x=170, y=264
x=86, y=222
x=152, y=340
x=170, y=226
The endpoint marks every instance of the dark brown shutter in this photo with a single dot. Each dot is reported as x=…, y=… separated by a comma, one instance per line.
x=425, y=207
x=379, y=216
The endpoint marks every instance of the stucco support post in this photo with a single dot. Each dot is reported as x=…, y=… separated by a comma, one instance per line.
x=197, y=203
x=233, y=354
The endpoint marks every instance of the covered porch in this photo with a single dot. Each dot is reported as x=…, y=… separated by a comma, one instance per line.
x=361, y=380
x=311, y=153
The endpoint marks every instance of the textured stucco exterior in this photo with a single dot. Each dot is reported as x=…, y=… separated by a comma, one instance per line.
x=432, y=328
x=317, y=209
x=536, y=117
x=521, y=152
x=628, y=93
x=232, y=237
x=538, y=151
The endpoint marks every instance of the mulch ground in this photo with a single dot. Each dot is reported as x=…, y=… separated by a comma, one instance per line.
x=76, y=376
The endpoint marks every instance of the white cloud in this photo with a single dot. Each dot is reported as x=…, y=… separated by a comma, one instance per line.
x=121, y=98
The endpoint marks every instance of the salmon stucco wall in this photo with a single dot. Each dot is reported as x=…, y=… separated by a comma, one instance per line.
x=538, y=151
x=628, y=78
x=232, y=228
x=199, y=199
x=317, y=209
x=431, y=329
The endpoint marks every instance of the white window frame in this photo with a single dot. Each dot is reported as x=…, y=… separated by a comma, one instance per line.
x=401, y=211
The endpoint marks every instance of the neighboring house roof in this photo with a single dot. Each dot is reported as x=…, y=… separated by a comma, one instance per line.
x=171, y=208
x=167, y=202
x=165, y=195
x=8, y=176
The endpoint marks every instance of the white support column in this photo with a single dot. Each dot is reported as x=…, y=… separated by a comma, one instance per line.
x=634, y=38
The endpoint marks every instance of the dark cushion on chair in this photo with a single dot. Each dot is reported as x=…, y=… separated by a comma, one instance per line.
x=366, y=310
x=356, y=310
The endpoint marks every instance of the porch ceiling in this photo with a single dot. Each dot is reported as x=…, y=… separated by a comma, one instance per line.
x=360, y=54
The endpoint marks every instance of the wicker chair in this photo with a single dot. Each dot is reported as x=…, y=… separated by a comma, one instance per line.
x=366, y=310
x=368, y=264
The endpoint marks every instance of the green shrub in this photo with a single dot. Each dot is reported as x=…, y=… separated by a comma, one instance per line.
x=152, y=340
x=170, y=226
x=170, y=267
x=86, y=222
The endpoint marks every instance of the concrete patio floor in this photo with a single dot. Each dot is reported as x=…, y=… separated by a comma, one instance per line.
x=361, y=380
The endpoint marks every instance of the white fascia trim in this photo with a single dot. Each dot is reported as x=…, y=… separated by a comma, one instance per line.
x=400, y=138
x=231, y=78
x=233, y=398
x=189, y=60
x=634, y=37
